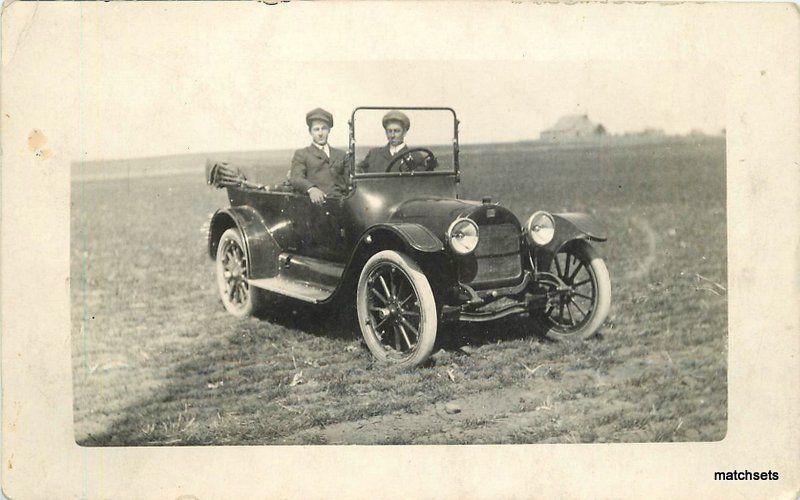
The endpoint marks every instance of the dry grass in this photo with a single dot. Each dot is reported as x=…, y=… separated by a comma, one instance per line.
x=156, y=360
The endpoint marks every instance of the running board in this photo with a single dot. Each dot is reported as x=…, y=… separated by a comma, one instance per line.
x=304, y=278
x=302, y=290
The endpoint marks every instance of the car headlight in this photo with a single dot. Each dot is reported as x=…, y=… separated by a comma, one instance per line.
x=462, y=235
x=540, y=228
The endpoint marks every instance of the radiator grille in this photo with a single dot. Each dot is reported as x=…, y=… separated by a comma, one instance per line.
x=496, y=259
x=497, y=239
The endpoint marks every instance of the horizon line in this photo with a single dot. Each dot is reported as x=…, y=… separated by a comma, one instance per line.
x=538, y=141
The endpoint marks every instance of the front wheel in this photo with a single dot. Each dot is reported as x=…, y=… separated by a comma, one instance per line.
x=396, y=309
x=579, y=304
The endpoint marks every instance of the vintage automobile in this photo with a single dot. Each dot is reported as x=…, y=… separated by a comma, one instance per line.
x=409, y=251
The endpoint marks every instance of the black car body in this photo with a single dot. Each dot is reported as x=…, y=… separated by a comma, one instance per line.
x=542, y=267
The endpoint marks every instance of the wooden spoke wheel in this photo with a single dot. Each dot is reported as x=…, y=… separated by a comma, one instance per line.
x=396, y=309
x=580, y=306
x=238, y=297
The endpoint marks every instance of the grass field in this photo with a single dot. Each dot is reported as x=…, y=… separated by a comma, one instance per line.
x=156, y=360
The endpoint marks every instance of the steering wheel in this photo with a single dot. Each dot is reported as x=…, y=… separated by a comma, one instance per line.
x=407, y=163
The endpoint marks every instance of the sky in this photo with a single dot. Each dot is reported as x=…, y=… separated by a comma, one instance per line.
x=165, y=85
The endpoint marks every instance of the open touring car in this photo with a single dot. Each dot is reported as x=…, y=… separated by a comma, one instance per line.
x=408, y=250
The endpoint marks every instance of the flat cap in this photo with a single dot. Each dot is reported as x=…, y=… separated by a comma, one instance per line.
x=319, y=114
x=396, y=116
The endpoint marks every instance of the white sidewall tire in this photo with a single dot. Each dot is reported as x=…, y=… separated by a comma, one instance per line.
x=427, y=306
x=603, y=284
x=255, y=296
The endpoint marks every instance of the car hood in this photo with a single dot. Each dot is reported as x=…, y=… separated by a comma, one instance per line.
x=437, y=214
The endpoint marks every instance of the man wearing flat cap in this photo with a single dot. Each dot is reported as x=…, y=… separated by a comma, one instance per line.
x=318, y=169
x=396, y=124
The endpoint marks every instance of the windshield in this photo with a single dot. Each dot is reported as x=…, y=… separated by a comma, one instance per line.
x=399, y=141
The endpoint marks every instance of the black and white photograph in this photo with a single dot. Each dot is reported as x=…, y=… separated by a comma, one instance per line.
x=376, y=234
x=403, y=252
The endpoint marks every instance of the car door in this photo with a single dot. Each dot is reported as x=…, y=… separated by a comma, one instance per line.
x=318, y=227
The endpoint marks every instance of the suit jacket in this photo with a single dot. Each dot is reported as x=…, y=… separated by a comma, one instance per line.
x=378, y=159
x=311, y=167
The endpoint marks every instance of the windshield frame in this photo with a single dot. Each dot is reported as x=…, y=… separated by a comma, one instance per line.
x=352, y=144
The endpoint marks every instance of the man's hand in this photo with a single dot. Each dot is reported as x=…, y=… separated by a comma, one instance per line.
x=316, y=195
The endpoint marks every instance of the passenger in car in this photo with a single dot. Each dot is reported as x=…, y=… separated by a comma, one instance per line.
x=396, y=124
x=318, y=169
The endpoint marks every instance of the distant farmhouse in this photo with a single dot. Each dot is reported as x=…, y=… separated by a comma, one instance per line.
x=571, y=128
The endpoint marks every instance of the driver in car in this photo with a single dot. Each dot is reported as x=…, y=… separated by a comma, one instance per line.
x=396, y=124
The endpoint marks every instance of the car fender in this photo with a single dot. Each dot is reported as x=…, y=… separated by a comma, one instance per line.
x=570, y=226
x=576, y=225
x=408, y=237
x=415, y=236
x=261, y=245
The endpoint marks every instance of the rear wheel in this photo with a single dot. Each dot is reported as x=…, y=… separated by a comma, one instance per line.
x=580, y=304
x=396, y=309
x=232, y=270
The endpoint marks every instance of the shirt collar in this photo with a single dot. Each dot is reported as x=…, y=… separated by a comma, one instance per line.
x=394, y=149
x=325, y=148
